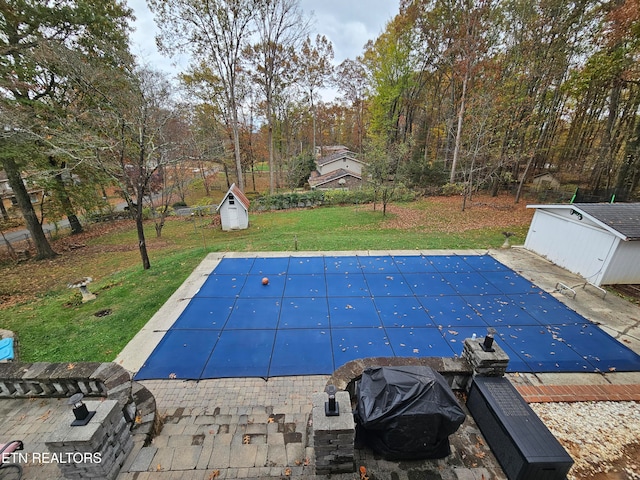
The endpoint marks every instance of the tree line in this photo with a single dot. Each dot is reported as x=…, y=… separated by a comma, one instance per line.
x=469, y=93
x=494, y=91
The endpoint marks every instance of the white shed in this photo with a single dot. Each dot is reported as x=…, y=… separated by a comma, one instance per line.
x=234, y=210
x=598, y=241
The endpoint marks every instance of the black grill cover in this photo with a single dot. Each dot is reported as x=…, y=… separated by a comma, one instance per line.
x=406, y=412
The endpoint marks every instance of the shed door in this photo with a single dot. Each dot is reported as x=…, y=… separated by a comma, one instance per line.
x=579, y=248
x=234, y=221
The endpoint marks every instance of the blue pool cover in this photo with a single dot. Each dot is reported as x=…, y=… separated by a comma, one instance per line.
x=317, y=313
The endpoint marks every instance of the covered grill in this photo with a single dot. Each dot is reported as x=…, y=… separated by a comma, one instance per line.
x=406, y=412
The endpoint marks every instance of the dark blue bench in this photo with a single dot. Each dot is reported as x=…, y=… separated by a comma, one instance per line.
x=521, y=442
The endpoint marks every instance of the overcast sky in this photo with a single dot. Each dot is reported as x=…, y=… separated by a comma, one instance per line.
x=349, y=24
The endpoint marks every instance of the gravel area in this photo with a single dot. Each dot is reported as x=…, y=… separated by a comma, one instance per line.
x=602, y=437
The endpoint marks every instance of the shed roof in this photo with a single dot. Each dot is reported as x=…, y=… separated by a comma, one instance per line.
x=237, y=194
x=622, y=219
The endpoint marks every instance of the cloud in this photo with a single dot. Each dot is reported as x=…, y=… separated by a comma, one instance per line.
x=143, y=41
x=350, y=24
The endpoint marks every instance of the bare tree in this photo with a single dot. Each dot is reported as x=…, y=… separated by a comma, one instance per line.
x=129, y=118
x=214, y=32
x=314, y=69
x=351, y=79
x=281, y=28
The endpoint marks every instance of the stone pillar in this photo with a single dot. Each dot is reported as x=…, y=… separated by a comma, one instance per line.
x=333, y=437
x=485, y=364
x=96, y=450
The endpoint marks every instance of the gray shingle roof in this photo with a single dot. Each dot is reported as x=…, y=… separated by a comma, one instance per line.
x=333, y=175
x=335, y=156
x=622, y=217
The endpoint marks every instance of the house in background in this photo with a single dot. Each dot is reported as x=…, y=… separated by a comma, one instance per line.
x=8, y=198
x=545, y=181
x=339, y=170
x=234, y=210
x=328, y=150
x=598, y=241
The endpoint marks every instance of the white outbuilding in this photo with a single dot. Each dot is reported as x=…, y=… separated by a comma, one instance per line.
x=234, y=210
x=598, y=241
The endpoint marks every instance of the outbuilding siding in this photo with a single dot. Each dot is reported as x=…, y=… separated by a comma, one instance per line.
x=625, y=265
x=584, y=240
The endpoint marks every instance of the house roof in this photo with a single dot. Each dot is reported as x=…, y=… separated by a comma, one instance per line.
x=331, y=176
x=337, y=156
x=238, y=195
x=329, y=149
x=621, y=219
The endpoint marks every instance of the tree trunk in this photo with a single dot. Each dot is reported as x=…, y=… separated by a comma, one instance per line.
x=65, y=201
x=272, y=169
x=44, y=250
x=142, y=244
x=629, y=172
x=313, y=126
x=272, y=172
x=524, y=177
x=236, y=149
x=456, y=149
x=5, y=214
x=159, y=225
x=603, y=165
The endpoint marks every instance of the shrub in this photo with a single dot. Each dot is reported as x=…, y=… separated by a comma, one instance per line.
x=287, y=200
x=453, y=189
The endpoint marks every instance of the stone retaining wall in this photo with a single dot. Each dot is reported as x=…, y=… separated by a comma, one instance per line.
x=92, y=379
x=457, y=371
